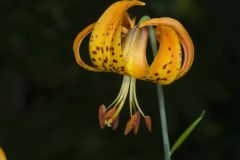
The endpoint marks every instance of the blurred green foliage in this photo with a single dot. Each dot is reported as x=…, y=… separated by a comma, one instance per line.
x=48, y=104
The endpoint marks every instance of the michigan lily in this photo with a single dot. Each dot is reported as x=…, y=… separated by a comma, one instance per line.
x=119, y=45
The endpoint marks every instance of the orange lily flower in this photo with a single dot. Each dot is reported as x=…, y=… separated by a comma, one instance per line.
x=2, y=154
x=118, y=45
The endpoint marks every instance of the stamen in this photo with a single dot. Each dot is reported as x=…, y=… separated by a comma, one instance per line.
x=131, y=102
x=133, y=123
x=115, y=123
x=110, y=113
x=138, y=119
x=118, y=104
x=102, y=116
x=133, y=81
x=148, y=123
x=125, y=79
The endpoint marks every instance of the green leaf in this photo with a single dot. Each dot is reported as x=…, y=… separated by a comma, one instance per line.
x=186, y=133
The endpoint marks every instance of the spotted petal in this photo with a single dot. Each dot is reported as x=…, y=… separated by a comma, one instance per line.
x=77, y=45
x=178, y=31
x=166, y=65
x=105, y=45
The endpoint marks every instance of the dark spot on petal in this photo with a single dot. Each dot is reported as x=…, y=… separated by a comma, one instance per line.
x=156, y=74
x=98, y=48
x=163, y=79
x=115, y=61
x=169, y=48
x=105, y=60
x=107, y=48
x=93, y=59
x=164, y=67
x=168, y=71
x=94, y=52
x=157, y=79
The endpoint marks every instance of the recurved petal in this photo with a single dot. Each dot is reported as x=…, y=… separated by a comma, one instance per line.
x=105, y=44
x=167, y=63
x=184, y=37
x=77, y=45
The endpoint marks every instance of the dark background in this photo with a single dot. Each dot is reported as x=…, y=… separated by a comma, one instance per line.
x=49, y=105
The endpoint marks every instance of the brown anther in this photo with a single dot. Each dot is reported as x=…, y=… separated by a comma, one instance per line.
x=110, y=113
x=115, y=123
x=102, y=116
x=133, y=123
x=148, y=123
x=129, y=127
x=136, y=125
x=108, y=120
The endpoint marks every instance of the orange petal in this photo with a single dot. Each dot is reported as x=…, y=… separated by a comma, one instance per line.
x=135, y=53
x=184, y=37
x=77, y=44
x=166, y=64
x=2, y=154
x=105, y=43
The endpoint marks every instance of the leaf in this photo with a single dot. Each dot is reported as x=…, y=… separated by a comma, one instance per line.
x=186, y=133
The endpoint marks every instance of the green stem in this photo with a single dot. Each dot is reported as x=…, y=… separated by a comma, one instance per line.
x=163, y=119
